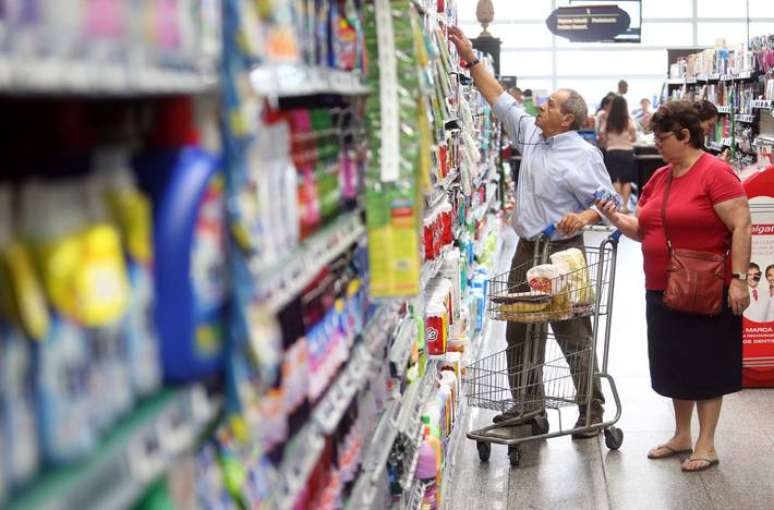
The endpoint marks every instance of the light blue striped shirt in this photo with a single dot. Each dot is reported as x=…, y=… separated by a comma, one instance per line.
x=557, y=176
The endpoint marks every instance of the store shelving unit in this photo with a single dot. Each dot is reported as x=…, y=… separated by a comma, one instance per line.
x=302, y=80
x=37, y=77
x=138, y=450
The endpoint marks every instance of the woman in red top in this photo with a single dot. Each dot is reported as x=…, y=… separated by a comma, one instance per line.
x=694, y=359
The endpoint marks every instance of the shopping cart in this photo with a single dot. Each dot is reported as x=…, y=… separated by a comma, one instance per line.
x=549, y=370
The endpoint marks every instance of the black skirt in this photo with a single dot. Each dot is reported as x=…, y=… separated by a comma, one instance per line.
x=620, y=165
x=693, y=357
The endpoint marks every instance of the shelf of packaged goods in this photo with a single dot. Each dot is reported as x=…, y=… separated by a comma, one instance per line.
x=441, y=188
x=764, y=104
x=279, y=282
x=139, y=450
x=431, y=269
x=742, y=76
x=715, y=146
x=724, y=109
x=305, y=448
x=399, y=415
x=83, y=78
x=764, y=141
x=675, y=81
x=744, y=117
x=704, y=78
x=294, y=80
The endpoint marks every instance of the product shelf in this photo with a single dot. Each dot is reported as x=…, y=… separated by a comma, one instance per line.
x=281, y=281
x=744, y=117
x=139, y=450
x=83, y=78
x=309, y=442
x=399, y=415
x=724, y=109
x=296, y=80
x=764, y=104
x=431, y=268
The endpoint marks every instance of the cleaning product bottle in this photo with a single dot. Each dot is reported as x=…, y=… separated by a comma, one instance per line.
x=19, y=457
x=102, y=291
x=131, y=212
x=188, y=196
x=51, y=227
x=427, y=472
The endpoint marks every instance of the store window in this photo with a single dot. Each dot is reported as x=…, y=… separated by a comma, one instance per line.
x=658, y=9
x=610, y=63
x=708, y=33
x=667, y=34
x=762, y=9
x=524, y=35
x=508, y=10
x=526, y=63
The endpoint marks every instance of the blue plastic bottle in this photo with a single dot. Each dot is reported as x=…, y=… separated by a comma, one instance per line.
x=188, y=195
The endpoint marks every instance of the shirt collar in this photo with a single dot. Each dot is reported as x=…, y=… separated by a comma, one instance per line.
x=562, y=139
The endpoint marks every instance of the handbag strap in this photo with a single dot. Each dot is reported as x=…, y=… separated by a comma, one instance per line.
x=663, y=210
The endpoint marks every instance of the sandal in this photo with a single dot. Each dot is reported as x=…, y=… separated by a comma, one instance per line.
x=708, y=464
x=671, y=452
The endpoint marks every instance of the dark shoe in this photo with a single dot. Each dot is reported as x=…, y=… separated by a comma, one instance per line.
x=510, y=414
x=587, y=433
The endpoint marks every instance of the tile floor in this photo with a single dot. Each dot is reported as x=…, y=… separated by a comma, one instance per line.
x=563, y=474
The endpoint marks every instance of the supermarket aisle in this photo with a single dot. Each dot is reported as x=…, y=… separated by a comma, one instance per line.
x=565, y=474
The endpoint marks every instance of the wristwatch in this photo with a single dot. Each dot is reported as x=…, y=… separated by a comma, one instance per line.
x=473, y=62
x=740, y=276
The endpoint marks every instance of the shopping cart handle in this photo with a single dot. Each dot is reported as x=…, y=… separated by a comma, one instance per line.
x=616, y=236
x=549, y=231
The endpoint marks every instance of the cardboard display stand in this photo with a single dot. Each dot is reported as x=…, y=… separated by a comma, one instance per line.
x=758, y=319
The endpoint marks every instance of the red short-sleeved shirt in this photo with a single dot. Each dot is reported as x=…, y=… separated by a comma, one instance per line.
x=693, y=223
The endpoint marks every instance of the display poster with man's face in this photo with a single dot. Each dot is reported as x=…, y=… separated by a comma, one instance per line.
x=758, y=318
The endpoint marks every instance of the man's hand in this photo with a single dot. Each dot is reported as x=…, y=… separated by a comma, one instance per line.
x=738, y=297
x=463, y=44
x=572, y=223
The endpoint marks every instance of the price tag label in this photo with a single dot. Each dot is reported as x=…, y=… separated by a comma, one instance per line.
x=389, y=91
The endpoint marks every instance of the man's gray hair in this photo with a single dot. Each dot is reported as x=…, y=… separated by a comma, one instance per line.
x=575, y=105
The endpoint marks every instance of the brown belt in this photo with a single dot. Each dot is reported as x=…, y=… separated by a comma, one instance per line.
x=577, y=240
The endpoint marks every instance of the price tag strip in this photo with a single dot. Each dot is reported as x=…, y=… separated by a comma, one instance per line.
x=388, y=91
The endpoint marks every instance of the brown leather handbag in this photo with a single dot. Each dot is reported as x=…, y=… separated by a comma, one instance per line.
x=694, y=278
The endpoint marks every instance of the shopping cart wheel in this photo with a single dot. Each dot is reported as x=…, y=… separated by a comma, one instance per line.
x=484, y=450
x=514, y=455
x=540, y=425
x=614, y=437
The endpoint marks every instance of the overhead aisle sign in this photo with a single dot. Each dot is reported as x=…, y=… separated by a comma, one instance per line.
x=597, y=21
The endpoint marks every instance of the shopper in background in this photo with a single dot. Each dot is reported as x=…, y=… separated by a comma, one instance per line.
x=623, y=88
x=618, y=134
x=709, y=116
x=517, y=94
x=529, y=103
x=694, y=359
x=559, y=174
x=642, y=115
x=601, y=116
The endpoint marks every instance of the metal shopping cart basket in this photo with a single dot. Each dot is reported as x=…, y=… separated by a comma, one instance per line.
x=552, y=368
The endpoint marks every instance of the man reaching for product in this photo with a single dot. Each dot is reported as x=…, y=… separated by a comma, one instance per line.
x=559, y=175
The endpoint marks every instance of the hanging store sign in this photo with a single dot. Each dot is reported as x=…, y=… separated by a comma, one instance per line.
x=590, y=23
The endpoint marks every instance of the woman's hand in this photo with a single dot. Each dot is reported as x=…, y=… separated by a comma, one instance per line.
x=738, y=297
x=608, y=209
